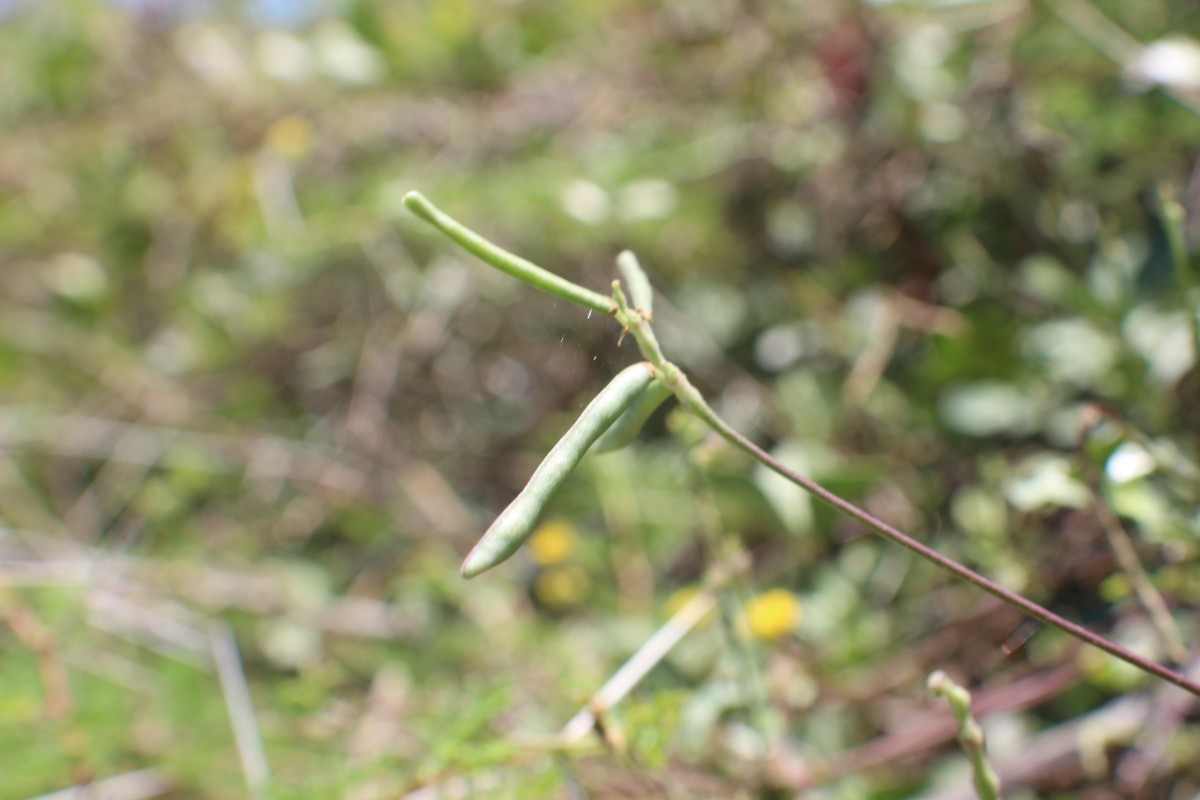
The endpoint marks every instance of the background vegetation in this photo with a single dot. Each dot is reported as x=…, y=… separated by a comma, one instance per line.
x=253, y=414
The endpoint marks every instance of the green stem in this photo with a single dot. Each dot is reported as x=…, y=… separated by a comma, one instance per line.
x=970, y=735
x=1174, y=218
x=503, y=260
x=639, y=284
x=725, y=548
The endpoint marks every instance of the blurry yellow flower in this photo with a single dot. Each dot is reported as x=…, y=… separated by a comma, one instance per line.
x=562, y=587
x=773, y=614
x=552, y=542
x=1115, y=587
x=290, y=136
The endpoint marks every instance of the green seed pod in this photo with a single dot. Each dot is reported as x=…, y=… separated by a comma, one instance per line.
x=515, y=523
x=639, y=285
x=626, y=429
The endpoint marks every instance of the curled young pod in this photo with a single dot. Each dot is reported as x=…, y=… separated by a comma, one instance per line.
x=626, y=429
x=516, y=523
x=639, y=285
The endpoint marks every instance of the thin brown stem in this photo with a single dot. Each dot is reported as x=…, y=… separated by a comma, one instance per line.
x=887, y=531
x=1143, y=588
x=691, y=397
x=638, y=325
x=1124, y=550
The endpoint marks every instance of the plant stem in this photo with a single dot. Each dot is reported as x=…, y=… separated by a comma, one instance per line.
x=725, y=548
x=1031, y=608
x=639, y=284
x=970, y=735
x=503, y=260
x=639, y=327
x=1174, y=219
x=640, y=663
x=1143, y=588
x=695, y=402
x=1122, y=544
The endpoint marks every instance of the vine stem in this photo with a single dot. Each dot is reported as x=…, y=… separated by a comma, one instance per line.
x=695, y=402
x=638, y=325
x=1031, y=608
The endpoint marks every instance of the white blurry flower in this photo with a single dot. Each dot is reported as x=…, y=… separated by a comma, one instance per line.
x=77, y=277
x=648, y=199
x=1164, y=339
x=586, y=202
x=1173, y=62
x=1042, y=481
x=1129, y=462
x=345, y=57
x=212, y=54
x=285, y=57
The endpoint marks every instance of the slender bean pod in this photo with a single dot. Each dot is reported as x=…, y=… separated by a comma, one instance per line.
x=639, y=285
x=626, y=429
x=503, y=260
x=516, y=523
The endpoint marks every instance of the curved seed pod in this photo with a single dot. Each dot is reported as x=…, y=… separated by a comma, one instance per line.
x=626, y=429
x=639, y=285
x=515, y=523
x=503, y=260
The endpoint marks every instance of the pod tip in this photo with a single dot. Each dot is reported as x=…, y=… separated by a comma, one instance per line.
x=471, y=567
x=476, y=562
x=414, y=200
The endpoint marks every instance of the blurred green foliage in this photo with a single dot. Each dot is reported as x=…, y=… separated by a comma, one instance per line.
x=905, y=244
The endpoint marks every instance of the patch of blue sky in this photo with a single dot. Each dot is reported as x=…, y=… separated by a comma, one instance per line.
x=267, y=13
